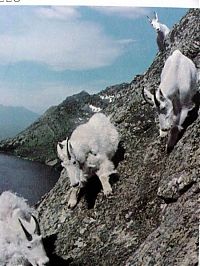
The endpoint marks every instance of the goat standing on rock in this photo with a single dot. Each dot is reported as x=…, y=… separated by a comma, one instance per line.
x=175, y=96
x=89, y=151
x=20, y=237
x=161, y=30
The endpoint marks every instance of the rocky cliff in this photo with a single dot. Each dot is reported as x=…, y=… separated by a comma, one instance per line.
x=153, y=214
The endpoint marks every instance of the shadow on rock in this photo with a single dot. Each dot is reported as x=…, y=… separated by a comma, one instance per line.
x=175, y=135
x=93, y=187
x=119, y=155
x=91, y=190
x=49, y=245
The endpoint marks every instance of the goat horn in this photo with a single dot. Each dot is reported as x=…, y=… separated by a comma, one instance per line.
x=59, y=151
x=68, y=152
x=149, y=18
x=157, y=103
x=37, y=226
x=27, y=234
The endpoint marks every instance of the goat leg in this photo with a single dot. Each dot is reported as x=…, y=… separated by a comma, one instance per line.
x=107, y=190
x=73, y=198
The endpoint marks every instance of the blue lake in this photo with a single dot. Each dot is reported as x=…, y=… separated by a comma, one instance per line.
x=28, y=179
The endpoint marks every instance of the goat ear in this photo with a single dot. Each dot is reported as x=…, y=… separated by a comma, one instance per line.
x=60, y=152
x=32, y=227
x=25, y=228
x=70, y=149
x=148, y=96
x=156, y=16
x=162, y=98
x=35, y=224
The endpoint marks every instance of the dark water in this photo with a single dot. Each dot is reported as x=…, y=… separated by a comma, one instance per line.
x=29, y=179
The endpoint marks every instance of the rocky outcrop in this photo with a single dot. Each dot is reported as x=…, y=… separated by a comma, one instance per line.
x=152, y=217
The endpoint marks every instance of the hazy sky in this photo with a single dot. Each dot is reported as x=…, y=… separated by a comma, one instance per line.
x=48, y=53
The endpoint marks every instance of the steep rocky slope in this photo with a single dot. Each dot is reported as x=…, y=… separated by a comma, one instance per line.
x=152, y=216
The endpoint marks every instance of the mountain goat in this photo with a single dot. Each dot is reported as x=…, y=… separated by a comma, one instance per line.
x=20, y=237
x=161, y=30
x=174, y=97
x=89, y=151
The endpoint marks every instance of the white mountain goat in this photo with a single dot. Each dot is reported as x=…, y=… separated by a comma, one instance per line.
x=161, y=30
x=174, y=97
x=89, y=151
x=20, y=237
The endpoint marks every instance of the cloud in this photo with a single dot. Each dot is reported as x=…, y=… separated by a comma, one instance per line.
x=58, y=12
x=59, y=43
x=125, y=12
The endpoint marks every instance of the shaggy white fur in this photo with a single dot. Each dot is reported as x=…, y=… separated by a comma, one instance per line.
x=15, y=248
x=89, y=151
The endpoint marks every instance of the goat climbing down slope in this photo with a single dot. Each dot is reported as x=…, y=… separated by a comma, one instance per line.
x=20, y=237
x=89, y=151
x=175, y=96
x=161, y=29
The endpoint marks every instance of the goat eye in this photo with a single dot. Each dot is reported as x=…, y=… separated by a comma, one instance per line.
x=29, y=247
x=74, y=162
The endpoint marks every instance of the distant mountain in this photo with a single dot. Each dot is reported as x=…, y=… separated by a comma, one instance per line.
x=14, y=119
x=38, y=141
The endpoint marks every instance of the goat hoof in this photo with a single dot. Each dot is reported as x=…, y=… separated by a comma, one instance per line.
x=71, y=204
x=71, y=207
x=107, y=192
x=163, y=134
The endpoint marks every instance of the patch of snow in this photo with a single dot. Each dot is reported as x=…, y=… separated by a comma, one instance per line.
x=107, y=97
x=94, y=108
